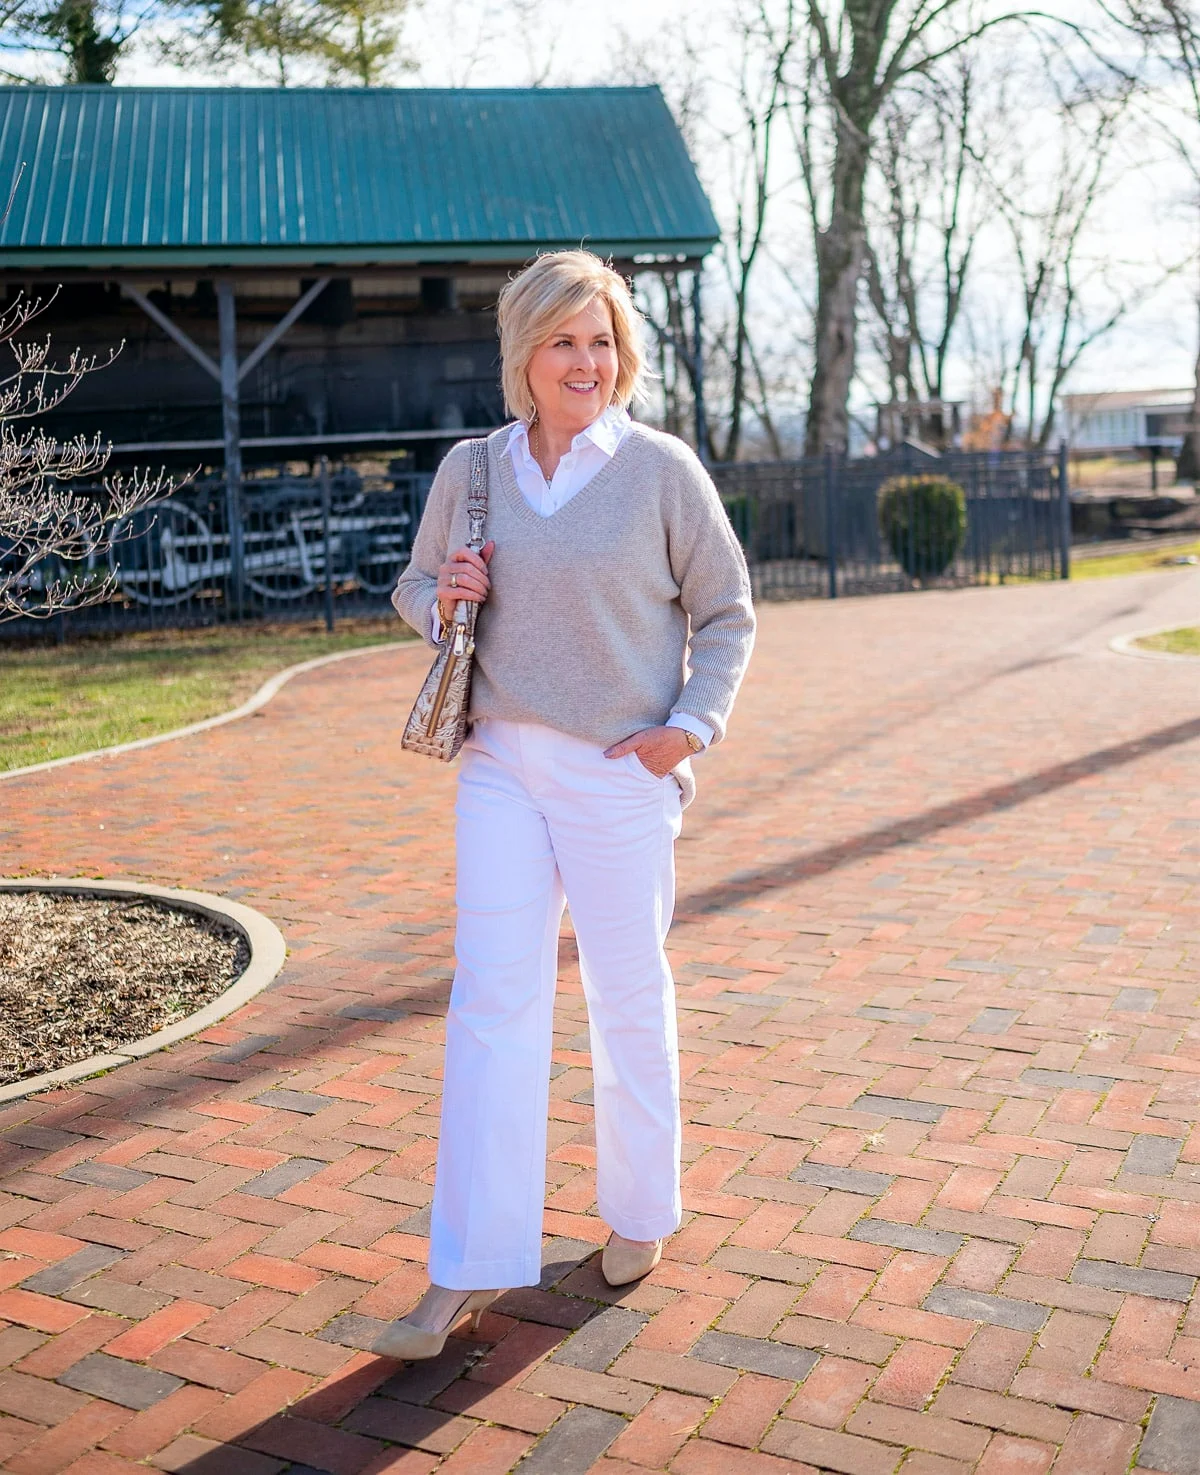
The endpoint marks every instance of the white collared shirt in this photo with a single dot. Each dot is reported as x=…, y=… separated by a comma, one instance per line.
x=591, y=450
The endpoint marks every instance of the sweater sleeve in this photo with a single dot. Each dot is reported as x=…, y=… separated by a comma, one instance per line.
x=416, y=592
x=714, y=588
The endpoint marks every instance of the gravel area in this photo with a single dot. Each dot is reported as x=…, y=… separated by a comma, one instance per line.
x=83, y=975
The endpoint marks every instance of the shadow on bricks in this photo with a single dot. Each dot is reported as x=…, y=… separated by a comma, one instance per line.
x=945, y=816
x=435, y=1407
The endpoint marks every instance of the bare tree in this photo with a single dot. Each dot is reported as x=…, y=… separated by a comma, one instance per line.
x=1170, y=32
x=892, y=247
x=935, y=140
x=51, y=536
x=663, y=303
x=863, y=52
x=736, y=129
x=1048, y=199
x=674, y=62
x=767, y=40
x=458, y=40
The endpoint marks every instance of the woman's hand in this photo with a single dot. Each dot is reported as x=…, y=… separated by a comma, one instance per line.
x=469, y=572
x=659, y=749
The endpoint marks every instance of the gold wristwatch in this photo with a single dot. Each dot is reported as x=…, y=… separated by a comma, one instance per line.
x=693, y=741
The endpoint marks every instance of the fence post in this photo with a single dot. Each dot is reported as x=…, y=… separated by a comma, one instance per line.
x=231, y=424
x=151, y=549
x=323, y=475
x=831, y=551
x=1064, y=512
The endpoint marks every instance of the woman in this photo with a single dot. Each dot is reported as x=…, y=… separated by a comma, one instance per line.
x=609, y=562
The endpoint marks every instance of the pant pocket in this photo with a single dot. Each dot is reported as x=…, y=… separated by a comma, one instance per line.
x=640, y=768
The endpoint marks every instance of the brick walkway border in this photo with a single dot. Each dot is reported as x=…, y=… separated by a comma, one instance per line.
x=252, y=704
x=1127, y=645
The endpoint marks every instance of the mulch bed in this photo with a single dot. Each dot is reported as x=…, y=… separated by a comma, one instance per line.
x=84, y=975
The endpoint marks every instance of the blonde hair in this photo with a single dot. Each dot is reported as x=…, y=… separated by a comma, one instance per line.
x=554, y=287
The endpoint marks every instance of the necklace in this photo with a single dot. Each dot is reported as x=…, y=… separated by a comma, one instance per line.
x=535, y=441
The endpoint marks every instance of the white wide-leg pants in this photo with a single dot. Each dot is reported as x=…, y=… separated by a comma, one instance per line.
x=541, y=816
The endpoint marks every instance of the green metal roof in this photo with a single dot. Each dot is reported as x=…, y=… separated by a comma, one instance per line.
x=147, y=176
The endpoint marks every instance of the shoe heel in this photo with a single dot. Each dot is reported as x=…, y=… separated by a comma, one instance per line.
x=479, y=1303
x=408, y=1343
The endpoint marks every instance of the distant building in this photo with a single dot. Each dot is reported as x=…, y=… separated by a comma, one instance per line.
x=1128, y=420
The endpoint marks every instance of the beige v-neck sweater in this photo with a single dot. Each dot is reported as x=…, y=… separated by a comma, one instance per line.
x=629, y=603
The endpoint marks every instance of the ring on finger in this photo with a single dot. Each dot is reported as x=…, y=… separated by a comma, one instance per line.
x=454, y=581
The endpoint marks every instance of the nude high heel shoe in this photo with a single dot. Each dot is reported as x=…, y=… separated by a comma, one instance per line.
x=408, y=1342
x=625, y=1260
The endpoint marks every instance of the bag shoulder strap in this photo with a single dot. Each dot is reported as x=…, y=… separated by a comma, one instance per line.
x=477, y=492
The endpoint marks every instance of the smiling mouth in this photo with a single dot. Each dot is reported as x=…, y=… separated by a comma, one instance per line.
x=584, y=388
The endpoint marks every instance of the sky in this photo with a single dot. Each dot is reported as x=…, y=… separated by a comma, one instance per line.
x=1145, y=226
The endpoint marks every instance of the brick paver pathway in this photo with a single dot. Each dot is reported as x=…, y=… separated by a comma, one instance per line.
x=939, y=957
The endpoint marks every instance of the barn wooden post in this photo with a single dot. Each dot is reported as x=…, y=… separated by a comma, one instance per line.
x=231, y=425
x=698, y=371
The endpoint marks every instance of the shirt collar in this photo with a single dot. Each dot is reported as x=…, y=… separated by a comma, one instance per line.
x=606, y=430
x=518, y=443
x=605, y=433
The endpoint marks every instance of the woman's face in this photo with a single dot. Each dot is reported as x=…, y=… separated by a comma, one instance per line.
x=573, y=372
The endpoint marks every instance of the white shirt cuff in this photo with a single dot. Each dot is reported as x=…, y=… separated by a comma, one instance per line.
x=435, y=624
x=692, y=724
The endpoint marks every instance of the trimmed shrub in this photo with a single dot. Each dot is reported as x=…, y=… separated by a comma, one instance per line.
x=923, y=519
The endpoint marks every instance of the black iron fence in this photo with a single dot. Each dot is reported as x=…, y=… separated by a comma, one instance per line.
x=336, y=543
x=304, y=547
x=811, y=528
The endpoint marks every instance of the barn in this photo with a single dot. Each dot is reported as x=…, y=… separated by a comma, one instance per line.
x=294, y=271
x=302, y=286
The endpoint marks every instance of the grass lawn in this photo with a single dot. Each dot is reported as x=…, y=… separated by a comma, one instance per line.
x=1184, y=642
x=1136, y=561
x=58, y=700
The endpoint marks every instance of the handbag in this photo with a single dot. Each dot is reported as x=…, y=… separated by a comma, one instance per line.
x=437, y=724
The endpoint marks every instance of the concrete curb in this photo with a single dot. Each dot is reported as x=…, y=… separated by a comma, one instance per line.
x=260, y=699
x=1125, y=645
x=268, y=952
